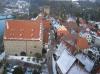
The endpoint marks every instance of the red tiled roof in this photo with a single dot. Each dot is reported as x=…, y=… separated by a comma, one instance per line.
x=71, y=48
x=62, y=31
x=45, y=36
x=22, y=30
x=46, y=24
x=65, y=33
x=82, y=43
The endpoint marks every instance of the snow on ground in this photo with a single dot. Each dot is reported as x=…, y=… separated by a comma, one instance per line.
x=25, y=59
x=2, y=56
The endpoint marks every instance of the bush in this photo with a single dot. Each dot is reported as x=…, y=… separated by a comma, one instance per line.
x=18, y=70
x=38, y=55
x=35, y=72
x=4, y=71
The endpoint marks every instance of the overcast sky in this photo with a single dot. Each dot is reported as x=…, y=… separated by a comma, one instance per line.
x=74, y=0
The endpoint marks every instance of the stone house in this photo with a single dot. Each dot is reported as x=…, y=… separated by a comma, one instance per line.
x=23, y=36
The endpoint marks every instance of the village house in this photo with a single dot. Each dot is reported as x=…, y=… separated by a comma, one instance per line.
x=46, y=31
x=65, y=63
x=23, y=36
x=46, y=28
x=76, y=50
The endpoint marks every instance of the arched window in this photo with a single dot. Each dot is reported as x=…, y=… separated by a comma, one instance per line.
x=23, y=53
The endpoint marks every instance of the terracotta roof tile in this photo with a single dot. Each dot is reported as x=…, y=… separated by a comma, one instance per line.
x=45, y=36
x=62, y=31
x=71, y=48
x=22, y=30
x=46, y=24
x=82, y=43
x=65, y=34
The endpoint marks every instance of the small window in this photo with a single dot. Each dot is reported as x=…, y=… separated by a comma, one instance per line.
x=30, y=52
x=22, y=58
x=35, y=46
x=16, y=54
x=28, y=59
x=23, y=53
x=37, y=60
x=33, y=59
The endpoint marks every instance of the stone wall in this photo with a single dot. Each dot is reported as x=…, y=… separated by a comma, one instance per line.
x=16, y=47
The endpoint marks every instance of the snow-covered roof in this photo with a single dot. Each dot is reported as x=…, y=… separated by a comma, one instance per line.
x=97, y=23
x=99, y=26
x=91, y=22
x=70, y=19
x=55, y=23
x=76, y=69
x=85, y=61
x=65, y=61
x=60, y=49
